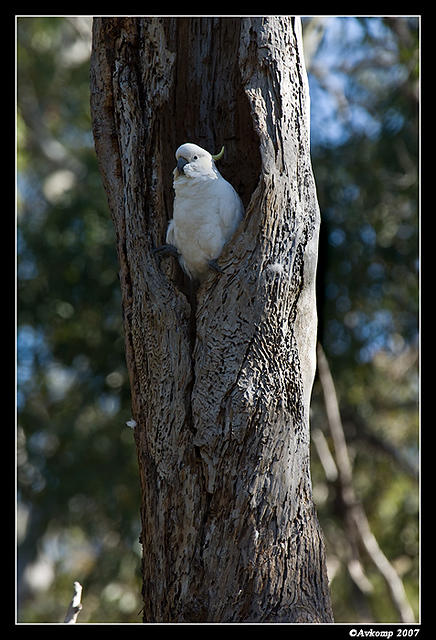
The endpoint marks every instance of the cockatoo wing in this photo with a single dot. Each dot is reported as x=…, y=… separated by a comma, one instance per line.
x=230, y=209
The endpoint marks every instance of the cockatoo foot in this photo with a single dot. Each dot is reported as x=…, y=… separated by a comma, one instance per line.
x=215, y=266
x=166, y=250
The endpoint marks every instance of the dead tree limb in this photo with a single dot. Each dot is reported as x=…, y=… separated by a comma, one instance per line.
x=355, y=511
x=75, y=606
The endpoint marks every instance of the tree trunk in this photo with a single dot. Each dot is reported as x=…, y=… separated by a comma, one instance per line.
x=221, y=385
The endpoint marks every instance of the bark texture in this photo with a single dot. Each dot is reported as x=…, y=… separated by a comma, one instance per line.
x=220, y=386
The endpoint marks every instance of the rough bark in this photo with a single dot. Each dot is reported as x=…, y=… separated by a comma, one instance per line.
x=220, y=388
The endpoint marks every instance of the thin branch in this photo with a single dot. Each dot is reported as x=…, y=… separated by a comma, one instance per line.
x=348, y=551
x=354, y=508
x=75, y=605
x=324, y=455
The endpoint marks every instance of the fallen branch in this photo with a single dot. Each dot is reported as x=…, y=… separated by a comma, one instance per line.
x=75, y=605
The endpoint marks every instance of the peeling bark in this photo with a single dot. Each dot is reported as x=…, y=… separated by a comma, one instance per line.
x=221, y=381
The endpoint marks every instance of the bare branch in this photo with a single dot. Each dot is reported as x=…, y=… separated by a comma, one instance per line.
x=354, y=508
x=75, y=605
x=324, y=455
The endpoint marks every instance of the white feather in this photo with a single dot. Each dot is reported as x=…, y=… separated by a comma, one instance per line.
x=207, y=211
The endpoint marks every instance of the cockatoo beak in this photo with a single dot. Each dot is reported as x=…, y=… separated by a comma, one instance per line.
x=180, y=164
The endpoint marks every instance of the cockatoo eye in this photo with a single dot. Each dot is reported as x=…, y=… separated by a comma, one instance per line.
x=195, y=158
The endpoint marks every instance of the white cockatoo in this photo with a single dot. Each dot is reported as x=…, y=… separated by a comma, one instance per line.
x=207, y=211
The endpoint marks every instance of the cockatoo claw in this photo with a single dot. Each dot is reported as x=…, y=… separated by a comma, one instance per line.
x=215, y=266
x=166, y=250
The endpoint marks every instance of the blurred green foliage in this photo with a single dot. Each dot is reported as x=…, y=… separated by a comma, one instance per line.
x=364, y=96
x=78, y=488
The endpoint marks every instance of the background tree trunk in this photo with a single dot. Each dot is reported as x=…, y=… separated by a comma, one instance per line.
x=220, y=394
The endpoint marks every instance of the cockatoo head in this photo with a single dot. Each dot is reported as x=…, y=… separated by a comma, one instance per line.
x=195, y=162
